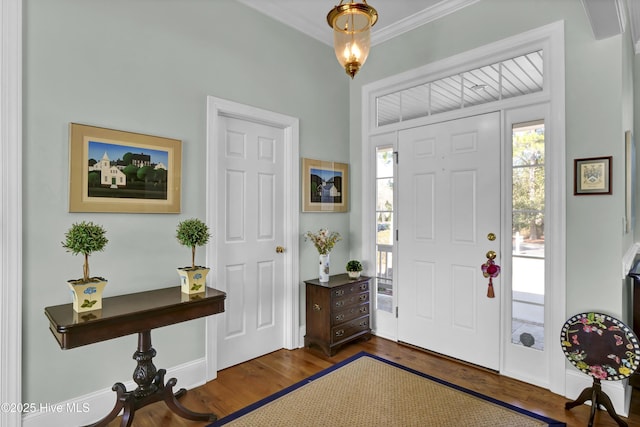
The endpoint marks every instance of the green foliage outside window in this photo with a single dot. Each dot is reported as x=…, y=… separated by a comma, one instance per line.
x=528, y=184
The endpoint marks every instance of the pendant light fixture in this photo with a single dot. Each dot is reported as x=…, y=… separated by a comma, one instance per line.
x=351, y=23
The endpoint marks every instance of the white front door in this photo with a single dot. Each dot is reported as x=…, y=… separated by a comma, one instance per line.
x=250, y=227
x=448, y=203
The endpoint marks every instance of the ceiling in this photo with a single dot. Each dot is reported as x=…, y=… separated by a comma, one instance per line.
x=396, y=17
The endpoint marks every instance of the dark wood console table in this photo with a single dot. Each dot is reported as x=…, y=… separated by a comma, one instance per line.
x=136, y=313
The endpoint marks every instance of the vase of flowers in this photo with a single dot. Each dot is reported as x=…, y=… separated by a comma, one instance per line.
x=324, y=240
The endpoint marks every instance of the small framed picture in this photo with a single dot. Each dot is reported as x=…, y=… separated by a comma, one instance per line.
x=592, y=176
x=324, y=186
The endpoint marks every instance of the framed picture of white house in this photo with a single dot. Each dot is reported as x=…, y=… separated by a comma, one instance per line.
x=324, y=186
x=117, y=171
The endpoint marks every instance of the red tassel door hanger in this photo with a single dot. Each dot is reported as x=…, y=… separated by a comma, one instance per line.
x=490, y=270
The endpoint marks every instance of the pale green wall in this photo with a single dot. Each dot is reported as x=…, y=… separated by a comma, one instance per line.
x=147, y=66
x=596, y=116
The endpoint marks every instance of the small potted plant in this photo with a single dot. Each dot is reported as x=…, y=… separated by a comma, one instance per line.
x=192, y=233
x=354, y=267
x=85, y=238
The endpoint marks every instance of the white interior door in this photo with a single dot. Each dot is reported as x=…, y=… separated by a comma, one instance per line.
x=250, y=229
x=448, y=203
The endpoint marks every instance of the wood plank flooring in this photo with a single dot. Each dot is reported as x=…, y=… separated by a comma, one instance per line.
x=243, y=384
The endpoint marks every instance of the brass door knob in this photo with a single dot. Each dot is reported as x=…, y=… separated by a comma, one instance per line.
x=279, y=249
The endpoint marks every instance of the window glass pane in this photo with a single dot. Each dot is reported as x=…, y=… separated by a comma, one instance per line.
x=384, y=163
x=415, y=102
x=384, y=282
x=513, y=77
x=388, y=109
x=481, y=85
x=528, y=188
x=446, y=94
x=384, y=228
x=528, y=233
x=384, y=199
x=528, y=201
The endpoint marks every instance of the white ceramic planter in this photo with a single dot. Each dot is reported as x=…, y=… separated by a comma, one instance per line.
x=193, y=280
x=87, y=296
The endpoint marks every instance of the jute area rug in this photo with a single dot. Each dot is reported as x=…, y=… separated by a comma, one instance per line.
x=366, y=390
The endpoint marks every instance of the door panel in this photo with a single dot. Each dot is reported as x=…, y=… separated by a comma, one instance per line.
x=251, y=271
x=449, y=200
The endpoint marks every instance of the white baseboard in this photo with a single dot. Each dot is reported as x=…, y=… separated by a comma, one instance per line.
x=302, y=333
x=618, y=391
x=94, y=406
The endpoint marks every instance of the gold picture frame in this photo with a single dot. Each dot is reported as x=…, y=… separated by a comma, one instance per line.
x=117, y=171
x=592, y=176
x=325, y=186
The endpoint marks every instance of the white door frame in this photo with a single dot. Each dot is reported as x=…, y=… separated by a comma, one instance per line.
x=11, y=217
x=550, y=38
x=217, y=107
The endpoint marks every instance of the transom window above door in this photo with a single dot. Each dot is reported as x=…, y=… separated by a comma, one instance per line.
x=521, y=75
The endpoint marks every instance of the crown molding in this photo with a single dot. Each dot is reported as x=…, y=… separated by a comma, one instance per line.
x=308, y=26
x=416, y=20
x=317, y=27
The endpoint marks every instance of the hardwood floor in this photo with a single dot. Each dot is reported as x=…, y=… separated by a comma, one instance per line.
x=241, y=385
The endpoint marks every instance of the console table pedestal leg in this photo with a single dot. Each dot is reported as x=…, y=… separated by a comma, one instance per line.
x=151, y=388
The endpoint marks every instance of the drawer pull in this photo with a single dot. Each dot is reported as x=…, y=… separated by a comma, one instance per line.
x=316, y=307
x=363, y=309
x=340, y=317
x=363, y=323
x=339, y=292
x=340, y=333
x=363, y=287
x=363, y=297
x=339, y=303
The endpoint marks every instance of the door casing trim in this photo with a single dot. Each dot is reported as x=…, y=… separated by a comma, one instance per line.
x=217, y=107
x=550, y=38
x=11, y=200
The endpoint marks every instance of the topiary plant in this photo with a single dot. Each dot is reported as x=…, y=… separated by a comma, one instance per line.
x=85, y=238
x=192, y=233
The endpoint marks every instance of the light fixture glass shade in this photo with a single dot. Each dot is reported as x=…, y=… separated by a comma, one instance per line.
x=351, y=23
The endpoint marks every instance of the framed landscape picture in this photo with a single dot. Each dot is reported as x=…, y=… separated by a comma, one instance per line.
x=324, y=186
x=117, y=171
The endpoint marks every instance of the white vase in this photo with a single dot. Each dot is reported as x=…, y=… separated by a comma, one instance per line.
x=323, y=271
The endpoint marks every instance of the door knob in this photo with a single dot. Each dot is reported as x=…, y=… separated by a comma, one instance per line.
x=491, y=237
x=279, y=249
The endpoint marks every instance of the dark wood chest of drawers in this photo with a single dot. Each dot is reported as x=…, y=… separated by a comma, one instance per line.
x=338, y=311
